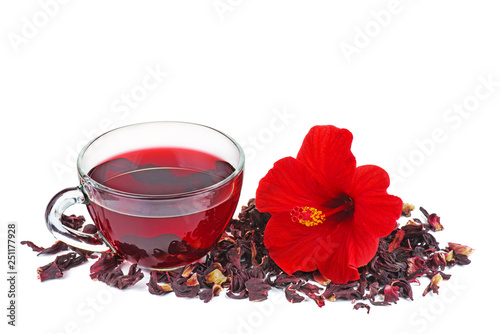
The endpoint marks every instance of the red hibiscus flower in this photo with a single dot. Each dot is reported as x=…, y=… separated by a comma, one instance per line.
x=327, y=214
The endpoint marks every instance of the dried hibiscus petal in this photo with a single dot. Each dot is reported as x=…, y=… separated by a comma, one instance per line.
x=329, y=294
x=346, y=291
x=133, y=276
x=193, y=280
x=309, y=288
x=238, y=279
x=70, y=260
x=291, y=294
x=62, y=263
x=407, y=209
x=117, y=279
x=181, y=289
x=461, y=249
x=397, y=240
x=391, y=294
x=49, y=271
x=319, y=278
x=435, y=222
x=461, y=259
x=242, y=295
x=405, y=290
x=186, y=272
x=434, y=284
x=110, y=277
x=57, y=247
x=311, y=291
x=437, y=261
x=359, y=305
x=207, y=294
x=234, y=256
x=31, y=245
x=156, y=289
x=106, y=263
x=284, y=279
x=216, y=276
x=415, y=264
x=373, y=289
x=73, y=221
x=90, y=229
x=257, y=289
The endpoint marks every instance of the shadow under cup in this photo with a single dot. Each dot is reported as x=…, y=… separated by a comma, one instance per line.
x=160, y=194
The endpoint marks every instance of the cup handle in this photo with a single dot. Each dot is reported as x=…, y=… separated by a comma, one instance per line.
x=60, y=202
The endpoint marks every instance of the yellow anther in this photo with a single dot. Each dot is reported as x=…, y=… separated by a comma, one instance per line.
x=307, y=216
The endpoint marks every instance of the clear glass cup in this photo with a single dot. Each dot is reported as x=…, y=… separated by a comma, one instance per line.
x=155, y=230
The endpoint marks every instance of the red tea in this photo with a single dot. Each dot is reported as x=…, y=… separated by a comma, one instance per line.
x=166, y=241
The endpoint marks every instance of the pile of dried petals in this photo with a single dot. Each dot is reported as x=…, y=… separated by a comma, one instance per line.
x=240, y=265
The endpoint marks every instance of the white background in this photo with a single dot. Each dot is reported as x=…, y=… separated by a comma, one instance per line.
x=395, y=73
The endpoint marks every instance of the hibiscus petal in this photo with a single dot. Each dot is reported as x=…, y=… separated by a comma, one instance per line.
x=326, y=151
x=369, y=178
x=293, y=246
x=288, y=184
x=374, y=210
x=349, y=249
